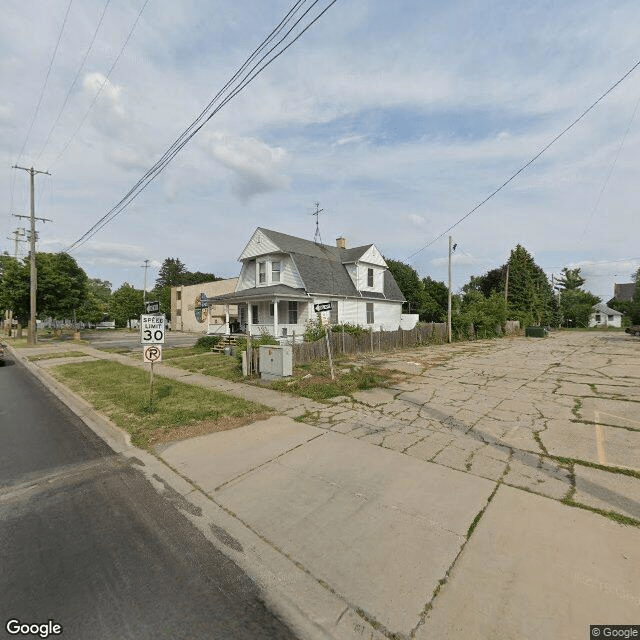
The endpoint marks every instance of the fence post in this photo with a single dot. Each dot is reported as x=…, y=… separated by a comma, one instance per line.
x=343, y=338
x=371, y=340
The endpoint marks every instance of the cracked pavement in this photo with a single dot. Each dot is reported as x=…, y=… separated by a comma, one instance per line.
x=528, y=413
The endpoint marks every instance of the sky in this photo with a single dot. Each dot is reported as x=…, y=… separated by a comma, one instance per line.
x=397, y=118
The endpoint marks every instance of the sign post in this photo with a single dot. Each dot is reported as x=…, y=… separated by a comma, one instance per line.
x=152, y=339
x=319, y=308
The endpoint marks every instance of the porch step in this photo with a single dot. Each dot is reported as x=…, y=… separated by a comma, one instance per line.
x=225, y=342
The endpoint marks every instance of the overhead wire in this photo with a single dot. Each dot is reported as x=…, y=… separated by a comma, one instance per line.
x=75, y=80
x=102, y=86
x=204, y=117
x=530, y=162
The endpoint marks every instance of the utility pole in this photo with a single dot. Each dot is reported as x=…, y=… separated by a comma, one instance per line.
x=449, y=297
x=31, y=335
x=16, y=239
x=144, y=291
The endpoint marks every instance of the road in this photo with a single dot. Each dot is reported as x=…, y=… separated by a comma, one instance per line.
x=131, y=339
x=88, y=543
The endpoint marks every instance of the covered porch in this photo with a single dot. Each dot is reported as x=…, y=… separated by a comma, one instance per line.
x=279, y=311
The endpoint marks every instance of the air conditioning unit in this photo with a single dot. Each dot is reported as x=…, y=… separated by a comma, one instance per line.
x=276, y=361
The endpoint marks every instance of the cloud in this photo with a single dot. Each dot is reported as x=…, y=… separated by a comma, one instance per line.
x=256, y=167
x=108, y=115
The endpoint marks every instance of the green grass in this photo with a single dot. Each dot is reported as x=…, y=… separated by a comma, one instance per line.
x=319, y=386
x=122, y=393
x=51, y=356
x=208, y=364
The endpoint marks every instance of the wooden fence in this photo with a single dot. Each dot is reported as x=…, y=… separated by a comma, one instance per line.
x=342, y=342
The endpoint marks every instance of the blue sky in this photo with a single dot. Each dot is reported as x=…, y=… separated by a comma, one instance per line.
x=397, y=117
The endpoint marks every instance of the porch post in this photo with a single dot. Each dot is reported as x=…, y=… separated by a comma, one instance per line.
x=249, y=318
x=226, y=310
x=275, y=317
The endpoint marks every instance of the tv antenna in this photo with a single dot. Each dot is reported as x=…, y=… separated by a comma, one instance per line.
x=317, y=238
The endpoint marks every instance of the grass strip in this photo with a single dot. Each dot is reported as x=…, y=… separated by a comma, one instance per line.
x=179, y=410
x=52, y=356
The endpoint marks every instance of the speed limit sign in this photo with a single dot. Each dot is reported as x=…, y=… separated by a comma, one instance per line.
x=152, y=329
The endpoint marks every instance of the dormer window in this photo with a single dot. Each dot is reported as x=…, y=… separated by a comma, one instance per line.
x=275, y=271
x=262, y=272
x=369, y=277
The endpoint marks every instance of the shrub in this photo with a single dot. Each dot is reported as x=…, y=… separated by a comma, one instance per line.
x=241, y=344
x=208, y=342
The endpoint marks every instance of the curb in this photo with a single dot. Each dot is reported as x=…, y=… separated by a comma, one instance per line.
x=311, y=611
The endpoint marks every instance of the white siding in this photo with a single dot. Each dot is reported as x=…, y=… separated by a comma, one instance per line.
x=386, y=315
x=373, y=256
x=289, y=274
x=363, y=274
x=259, y=245
x=247, y=279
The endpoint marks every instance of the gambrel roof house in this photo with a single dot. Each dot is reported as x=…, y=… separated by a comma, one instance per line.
x=282, y=277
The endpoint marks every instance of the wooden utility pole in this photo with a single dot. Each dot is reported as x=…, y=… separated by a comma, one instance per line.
x=449, y=297
x=31, y=335
x=144, y=291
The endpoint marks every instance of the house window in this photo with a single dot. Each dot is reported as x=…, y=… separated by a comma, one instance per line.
x=178, y=312
x=369, y=277
x=293, y=312
x=275, y=271
x=610, y=318
x=370, y=319
x=271, y=309
x=333, y=314
x=242, y=312
x=178, y=295
x=598, y=317
x=254, y=313
x=262, y=272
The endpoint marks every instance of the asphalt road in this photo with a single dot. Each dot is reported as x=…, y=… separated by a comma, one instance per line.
x=87, y=542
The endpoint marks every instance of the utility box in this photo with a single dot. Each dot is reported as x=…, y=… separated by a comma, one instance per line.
x=276, y=361
x=535, y=332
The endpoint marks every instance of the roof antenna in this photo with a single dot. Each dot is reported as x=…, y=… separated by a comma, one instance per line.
x=317, y=238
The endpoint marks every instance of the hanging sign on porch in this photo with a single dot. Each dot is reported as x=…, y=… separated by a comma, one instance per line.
x=322, y=306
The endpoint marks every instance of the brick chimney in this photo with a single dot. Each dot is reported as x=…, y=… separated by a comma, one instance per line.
x=341, y=243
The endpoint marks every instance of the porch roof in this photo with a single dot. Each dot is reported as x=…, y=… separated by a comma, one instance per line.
x=261, y=293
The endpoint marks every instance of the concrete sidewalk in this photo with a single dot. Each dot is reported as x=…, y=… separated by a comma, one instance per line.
x=357, y=528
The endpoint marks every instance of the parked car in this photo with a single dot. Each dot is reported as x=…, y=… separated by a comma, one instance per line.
x=634, y=329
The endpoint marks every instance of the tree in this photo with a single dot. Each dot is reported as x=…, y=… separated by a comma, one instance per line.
x=435, y=300
x=576, y=307
x=571, y=279
x=530, y=297
x=197, y=277
x=171, y=273
x=493, y=280
x=634, y=310
x=126, y=303
x=62, y=286
x=409, y=283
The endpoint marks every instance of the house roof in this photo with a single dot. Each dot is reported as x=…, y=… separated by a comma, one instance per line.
x=624, y=291
x=322, y=270
x=601, y=307
x=256, y=293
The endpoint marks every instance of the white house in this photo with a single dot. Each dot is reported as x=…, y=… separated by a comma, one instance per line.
x=603, y=316
x=283, y=277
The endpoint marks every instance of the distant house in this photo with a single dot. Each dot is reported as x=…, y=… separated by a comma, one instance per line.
x=603, y=316
x=283, y=277
x=624, y=291
x=191, y=311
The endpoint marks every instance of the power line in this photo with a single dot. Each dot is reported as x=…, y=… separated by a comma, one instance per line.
x=204, y=117
x=102, y=86
x=75, y=80
x=531, y=161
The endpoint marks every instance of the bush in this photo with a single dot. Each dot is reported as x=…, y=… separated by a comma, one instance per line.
x=316, y=330
x=241, y=344
x=208, y=342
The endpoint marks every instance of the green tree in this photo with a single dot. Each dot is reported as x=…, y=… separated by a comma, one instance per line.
x=493, y=280
x=634, y=310
x=197, y=277
x=171, y=274
x=530, y=297
x=409, y=283
x=576, y=306
x=571, y=279
x=435, y=301
x=126, y=304
x=62, y=286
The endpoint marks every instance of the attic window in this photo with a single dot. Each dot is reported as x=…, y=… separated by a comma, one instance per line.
x=369, y=277
x=275, y=271
x=262, y=272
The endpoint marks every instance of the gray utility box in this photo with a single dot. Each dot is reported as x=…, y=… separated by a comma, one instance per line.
x=276, y=361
